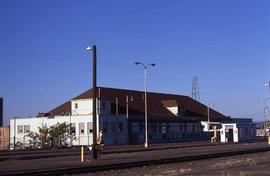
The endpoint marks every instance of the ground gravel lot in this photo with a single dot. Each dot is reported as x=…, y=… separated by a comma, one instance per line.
x=253, y=164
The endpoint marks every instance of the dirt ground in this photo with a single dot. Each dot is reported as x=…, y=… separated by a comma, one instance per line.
x=253, y=164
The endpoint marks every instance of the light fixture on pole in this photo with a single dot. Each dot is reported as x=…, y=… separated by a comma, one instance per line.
x=94, y=114
x=88, y=48
x=145, y=66
x=268, y=86
x=208, y=114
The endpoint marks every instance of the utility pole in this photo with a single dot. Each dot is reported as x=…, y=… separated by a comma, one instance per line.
x=208, y=114
x=127, y=105
x=116, y=113
x=94, y=102
x=208, y=118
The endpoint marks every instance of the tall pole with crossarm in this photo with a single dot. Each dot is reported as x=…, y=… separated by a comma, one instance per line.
x=146, y=144
x=208, y=114
x=94, y=99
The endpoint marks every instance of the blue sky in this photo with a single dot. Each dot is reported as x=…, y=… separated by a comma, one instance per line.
x=44, y=62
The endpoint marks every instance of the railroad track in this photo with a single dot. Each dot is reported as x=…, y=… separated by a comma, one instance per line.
x=37, y=154
x=123, y=165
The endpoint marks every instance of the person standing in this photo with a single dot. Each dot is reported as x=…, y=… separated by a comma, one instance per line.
x=101, y=138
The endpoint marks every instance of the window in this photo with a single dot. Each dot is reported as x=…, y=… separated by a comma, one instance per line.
x=73, y=128
x=0, y=140
x=81, y=128
x=20, y=129
x=1, y=133
x=76, y=105
x=26, y=128
x=89, y=127
x=121, y=126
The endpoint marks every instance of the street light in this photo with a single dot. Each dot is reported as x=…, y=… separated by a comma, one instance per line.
x=268, y=86
x=208, y=114
x=145, y=66
x=94, y=147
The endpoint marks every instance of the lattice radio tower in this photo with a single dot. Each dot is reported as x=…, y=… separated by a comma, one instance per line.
x=195, y=88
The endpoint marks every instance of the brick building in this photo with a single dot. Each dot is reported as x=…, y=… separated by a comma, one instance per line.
x=4, y=138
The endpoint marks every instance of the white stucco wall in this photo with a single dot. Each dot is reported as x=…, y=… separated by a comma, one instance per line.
x=84, y=107
x=112, y=135
x=36, y=122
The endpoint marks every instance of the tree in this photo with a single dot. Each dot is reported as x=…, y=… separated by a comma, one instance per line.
x=60, y=134
x=44, y=136
x=57, y=135
x=34, y=139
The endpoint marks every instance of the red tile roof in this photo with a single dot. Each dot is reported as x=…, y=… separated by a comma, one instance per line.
x=169, y=103
x=157, y=103
x=66, y=107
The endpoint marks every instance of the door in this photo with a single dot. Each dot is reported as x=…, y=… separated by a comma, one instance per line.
x=229, y=135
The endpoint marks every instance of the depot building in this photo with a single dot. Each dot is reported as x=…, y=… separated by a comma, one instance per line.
x=121, y=116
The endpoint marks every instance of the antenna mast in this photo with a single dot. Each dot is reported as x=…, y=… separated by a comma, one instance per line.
x=195, y=88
